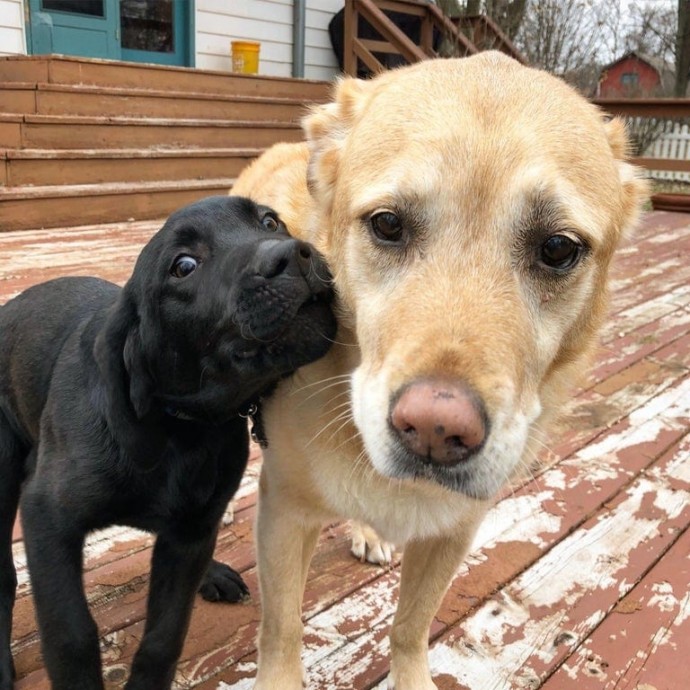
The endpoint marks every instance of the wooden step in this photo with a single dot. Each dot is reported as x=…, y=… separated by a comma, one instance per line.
x=10, y=130
x=17, y=97
x=111, y=73
x=87, y=166
x=60, y=99
x=74, y=132
x=23, y=208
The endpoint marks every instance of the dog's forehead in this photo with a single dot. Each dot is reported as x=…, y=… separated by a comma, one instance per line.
x=479, y=105
x=216, y=221
x=498, y=141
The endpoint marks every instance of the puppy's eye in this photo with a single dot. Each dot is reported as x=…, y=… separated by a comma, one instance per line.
x=560, y=252
x=183, y=266
x=270, y=222
x=387, y=227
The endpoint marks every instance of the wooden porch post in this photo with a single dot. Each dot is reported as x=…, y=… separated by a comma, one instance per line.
x=350, y=32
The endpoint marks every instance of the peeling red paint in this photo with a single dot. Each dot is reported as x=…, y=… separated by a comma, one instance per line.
x=610, y=497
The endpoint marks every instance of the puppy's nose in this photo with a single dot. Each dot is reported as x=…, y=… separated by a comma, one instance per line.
x=276, y=257
x=443, y=422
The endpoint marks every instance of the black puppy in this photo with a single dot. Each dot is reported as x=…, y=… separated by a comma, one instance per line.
x=121, y=406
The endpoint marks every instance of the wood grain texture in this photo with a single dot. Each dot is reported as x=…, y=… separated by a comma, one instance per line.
x=578, y=578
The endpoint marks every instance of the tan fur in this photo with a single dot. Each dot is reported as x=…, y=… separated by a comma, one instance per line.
x=482, y=154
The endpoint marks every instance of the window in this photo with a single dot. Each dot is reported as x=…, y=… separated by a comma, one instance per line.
x=92, y=7
x=630, y=79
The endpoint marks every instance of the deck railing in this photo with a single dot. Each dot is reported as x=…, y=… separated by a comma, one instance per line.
x=393, y=41
x=485, y=34
x=434, y=33
x=650, y=121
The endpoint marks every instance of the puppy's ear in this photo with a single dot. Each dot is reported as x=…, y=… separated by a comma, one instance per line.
x=635, y=189
x=327, y=127
x=127, y=399
x=140, y=382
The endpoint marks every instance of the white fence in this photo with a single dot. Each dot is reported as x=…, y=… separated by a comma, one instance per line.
x=675, y=145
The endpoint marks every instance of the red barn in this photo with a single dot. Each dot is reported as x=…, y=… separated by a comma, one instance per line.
x=635, y=74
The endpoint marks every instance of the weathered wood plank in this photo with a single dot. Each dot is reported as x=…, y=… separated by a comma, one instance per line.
x=633, y=410
x=639, y=645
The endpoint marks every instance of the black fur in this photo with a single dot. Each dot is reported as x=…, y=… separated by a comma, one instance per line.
x=120, y=406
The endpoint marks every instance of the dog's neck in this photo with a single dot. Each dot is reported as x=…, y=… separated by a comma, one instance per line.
x=250, y=411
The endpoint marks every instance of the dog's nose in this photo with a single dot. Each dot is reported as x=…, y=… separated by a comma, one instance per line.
x=291, y=257
x=443, y=422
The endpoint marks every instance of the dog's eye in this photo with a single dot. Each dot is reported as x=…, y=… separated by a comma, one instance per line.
x=560, y=252
x=386, y=226
x=270, y=222
x=183, y=266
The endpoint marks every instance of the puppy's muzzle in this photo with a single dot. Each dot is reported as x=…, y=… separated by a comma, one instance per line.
x=439, y=422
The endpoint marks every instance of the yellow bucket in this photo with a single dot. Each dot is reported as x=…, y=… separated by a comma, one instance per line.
x=245, y=57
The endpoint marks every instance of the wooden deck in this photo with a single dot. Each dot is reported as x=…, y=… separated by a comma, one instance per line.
x=579, y=579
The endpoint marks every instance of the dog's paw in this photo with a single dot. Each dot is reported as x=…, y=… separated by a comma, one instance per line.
x=229, y=515
x=368, y=546
x=222, y=583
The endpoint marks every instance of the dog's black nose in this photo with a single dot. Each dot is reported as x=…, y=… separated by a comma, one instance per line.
x=277, y=257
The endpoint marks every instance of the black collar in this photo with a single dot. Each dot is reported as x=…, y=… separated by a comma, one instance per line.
x=250, y=411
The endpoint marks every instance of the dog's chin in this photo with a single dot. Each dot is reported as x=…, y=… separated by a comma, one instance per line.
x=481, y=476
x=466, y=478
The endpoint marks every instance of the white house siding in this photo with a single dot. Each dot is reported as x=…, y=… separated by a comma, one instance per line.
x=218, y=22
x=12, y=36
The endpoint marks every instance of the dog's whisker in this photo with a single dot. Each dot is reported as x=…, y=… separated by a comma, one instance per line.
x=348, y=420
x=335, y=384
x=319, y=392
x=333, y=421
x=349, y=440
x=339, y=377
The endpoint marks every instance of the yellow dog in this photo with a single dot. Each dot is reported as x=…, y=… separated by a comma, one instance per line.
x=469, y=210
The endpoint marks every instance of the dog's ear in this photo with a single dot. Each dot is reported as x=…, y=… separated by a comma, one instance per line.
x=326, y=129
x=119, y=353
x=120, y=362
x=635, y=189
x=140, y=382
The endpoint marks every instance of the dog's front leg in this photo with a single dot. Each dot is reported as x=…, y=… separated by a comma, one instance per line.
x=427, y=569
x=285, y=543
x=69, y=636
x=176, y=571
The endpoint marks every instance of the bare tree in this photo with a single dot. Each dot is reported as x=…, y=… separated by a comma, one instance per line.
x=562, y=36
x=651, y=29
x=682, y=48
x=508, y=14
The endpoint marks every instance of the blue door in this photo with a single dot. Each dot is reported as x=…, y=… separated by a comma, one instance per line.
x=135, y=30
x=74, y=27
x=155, y=31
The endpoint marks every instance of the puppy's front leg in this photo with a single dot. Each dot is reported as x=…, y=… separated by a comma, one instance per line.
x=176, y=571
x=69, y=637
x=285, y=543
x=427, y=569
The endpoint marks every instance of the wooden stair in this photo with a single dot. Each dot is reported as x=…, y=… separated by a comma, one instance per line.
x=95, y=141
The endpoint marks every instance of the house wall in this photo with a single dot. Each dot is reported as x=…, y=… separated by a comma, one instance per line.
x=12, y=34
x=611, y=85
x=269, y=22
x=218, y=22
